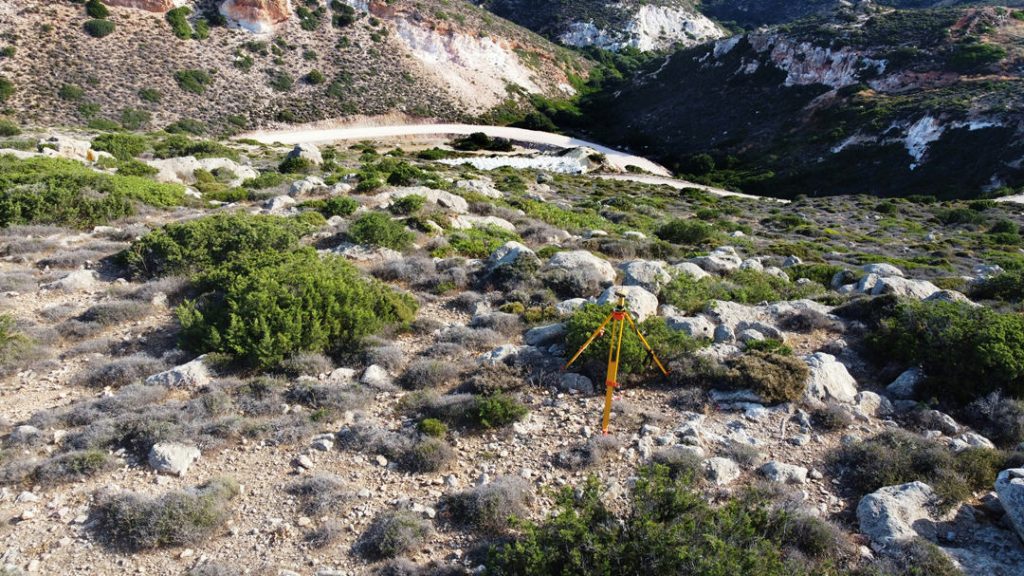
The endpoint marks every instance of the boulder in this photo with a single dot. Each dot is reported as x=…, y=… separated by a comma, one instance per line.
x=308, y=152
x=306, y=186
x=752, y=264
x=696, y=326
x=919, y=289
x=172, y=458
x=691, y=270
x=279, y=204
x=640, y=303
x=904, y=387
x=66, y=147
x=480, y=186
x=447, y=200
x=882, y=270
x=867, y=283
x=721, y=260
x=190, y=375
x=783, y=473
x=986, y=271
x=721, y=471
x=77, y=281
x=791, y=261
x=182, y=170
x=893, y=515
x=508, y=254
x=465, y=221
x=777, y=272
x=871, y=404
x=567, y=307
x=829, y=380
x=650, y=275
x=543, y=335
x=570, y=381
x=499, y=355
x=950, y=296
x=1010, y=488
x=376, y=377
x=581, y=270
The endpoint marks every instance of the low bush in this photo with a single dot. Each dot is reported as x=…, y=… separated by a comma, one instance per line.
x=335, y=206
x=687, y=232
x=194, y=81
x=432, y=427
x=472, y=411
x=393, y=533
x=8, y=128
x=178, y=145
x=73, y=466
x=775, y=378
x=744, y=286
x=427, y=456
x=591, y=453
x=989, y=348
x=96, y=9
x=831, y=417
x=407, y=205
x=99, y=28
x=492, y=508
x=378, y=229
x=263, y=308
x=897, y=457
x=998, y=418
x=1007, y=287
x=320, y=494
x=311, y=364
x=423, y=374
x=476, y=242
x=668, y=529
x=680, y=462
x=113, y=312
x=12, y=341
x=178, y=20
x=203, y=243
x=134, y=522
x=121, y=146
x=119, y=372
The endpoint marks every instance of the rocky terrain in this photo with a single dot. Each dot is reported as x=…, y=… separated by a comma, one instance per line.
x=168, y=408
x=241, y=63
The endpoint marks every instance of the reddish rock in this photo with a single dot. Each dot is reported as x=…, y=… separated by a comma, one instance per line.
x=258, y=16
x=159, y=6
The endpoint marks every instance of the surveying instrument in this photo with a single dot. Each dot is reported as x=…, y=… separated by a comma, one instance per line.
x=618, y=319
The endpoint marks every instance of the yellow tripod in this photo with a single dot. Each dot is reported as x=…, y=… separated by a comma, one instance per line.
x=618, y=319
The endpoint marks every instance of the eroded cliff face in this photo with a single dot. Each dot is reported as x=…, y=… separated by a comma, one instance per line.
x=806, y=63
x=649, y=28
x=159, y=6
x=259, y=16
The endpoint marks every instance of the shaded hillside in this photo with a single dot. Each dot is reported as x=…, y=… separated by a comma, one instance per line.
x=917, y=102
x=425, y=58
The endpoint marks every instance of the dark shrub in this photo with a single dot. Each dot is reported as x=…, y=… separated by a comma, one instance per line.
x=120, y=371
x=998, y=418
x=320, y=494
x=121, y=146
x=491, y=508
x=427, y=455
x=99, y=28
x=133, y=522
x=263, y=308
x=393, y=533
x=72, y=466
x=428, y=374
x=194, y=81
x=378, y=229
x=679, y=231
x=1008, y=287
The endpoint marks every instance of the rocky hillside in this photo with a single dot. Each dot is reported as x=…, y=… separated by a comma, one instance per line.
x=640, y=24
x=896, y=103
x=243, y=63
x=222, y=358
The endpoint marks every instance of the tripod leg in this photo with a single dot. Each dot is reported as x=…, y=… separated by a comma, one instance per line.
x=643, y=340
x=597, y=333
x=611, y=382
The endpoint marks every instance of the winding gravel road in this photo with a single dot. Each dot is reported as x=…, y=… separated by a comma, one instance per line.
x=655, y=173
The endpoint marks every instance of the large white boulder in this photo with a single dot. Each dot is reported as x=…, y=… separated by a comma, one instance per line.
x=182, y=170
x=1010, y=488
x=690, y=269
x=308, y=152
x=640, y=303
x=829, y=380
x=919, y=289
x=172, y=458
x=508, y=254
x=190, y=375
x=783, y=473
x=720, y=261
x=650, y=275
x=582, y=270
x=893, y=515
x=882, y=270
x=466, y=221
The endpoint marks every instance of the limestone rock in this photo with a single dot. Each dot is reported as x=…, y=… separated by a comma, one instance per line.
x=690, y=269
x=721, y=260
x=1010, y=488
x=308, y=152
x=158, y=6
x=721, y=471
x=883, y=270
x=182, y=170
x=376, y=377
x=829, y=380
x=919, y=289
x=905, y=386
x=279, y=204
x=581, y=270
x=466, y=221
x=77, y=281
x=508, y=254
x=190, y=375
x=480, y=186
x=447, y=200
x=895, y=514
x=499, y=355
x=696, y=326
x=172, y=458
x=258, y=16
x=640, y=303
x=570, y=381
x=542, y=335
x=306, y=186
x=650, y=275
x=783, y=473
x=871, y=404
x=567, y=307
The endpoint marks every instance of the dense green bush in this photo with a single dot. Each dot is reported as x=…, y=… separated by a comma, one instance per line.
x=975, y=57
x=203, y=243
x=393, y=533
x=965, y=351
x=472, y=411
x=666, y=342
x=433, y=427
x=99, y=28
x=133, y=119
x=897, y=457
x=151, y=95
x=7, y=89
x=71, y=92
x=178, y=20
x=9, y=128
x=378, y=229
x=96, y=9
x=680, y=231
x=1008, y=287
x=121, y=146
x=264, y=307
x=407, y=205
x=744, y=286
x=65, y=192
x=194, y=81
x=334, y=206
x=669, y=529
x=133, y=522
x=476, y=242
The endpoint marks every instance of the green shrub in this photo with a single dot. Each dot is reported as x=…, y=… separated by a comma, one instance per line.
x=133, y=119
x=820, y=273
x=497, y=410
x=12, y=341
x=99, y=28
x=151, y=95
x=65, y=192
x=186, y=126
x=1008, y=287
x=265, y=180
x=203, y=243
x=334, y=206
x=898, y=457
x=679, y=231
x=281, y=81
x=178, y=19
x=393, y=533
x=378, y=229
x=744, y=286
x=492, y=508
x=407, y=205
x=194, y=81
x=134, y=522
x=433, y=427
x=264, y=307
x=295, y=165
x=774, y=377
x=315, y=77
x=71, y=92
x=7, y=89
x=668, y=529
x=72, y=466
x=975, y=57
x=429, y=455
x=666, y=342
x=121, y=146
x=988, y=345
x=8, y=128
x=178, y=145
x=476, y=242
x=96, y=9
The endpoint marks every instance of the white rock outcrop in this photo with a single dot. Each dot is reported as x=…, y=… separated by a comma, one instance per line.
x=190, y=375
x=172, y=457
x=640, y=303
x=829, y=380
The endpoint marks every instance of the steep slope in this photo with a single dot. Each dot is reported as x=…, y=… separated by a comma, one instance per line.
x=427, y=58
x=900, y=103
x=642, y=24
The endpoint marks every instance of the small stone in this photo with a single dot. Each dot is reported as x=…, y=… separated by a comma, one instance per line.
x=304, y=461
x=303, y=522
x=27, y=515
x=381, y=461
